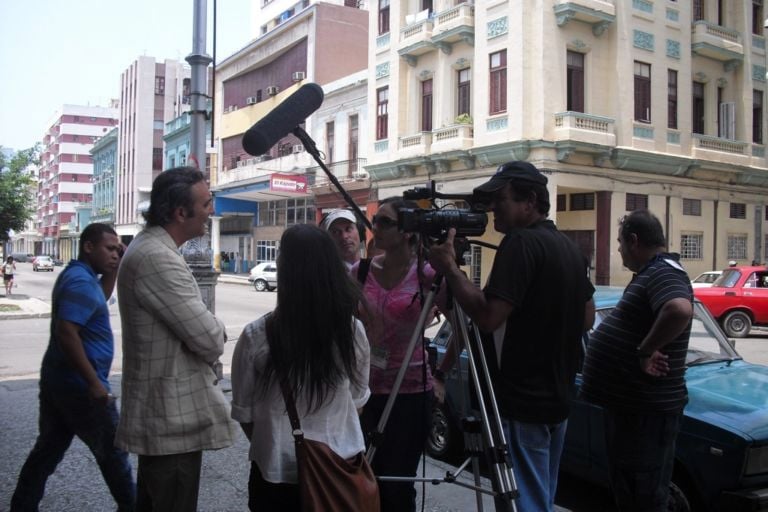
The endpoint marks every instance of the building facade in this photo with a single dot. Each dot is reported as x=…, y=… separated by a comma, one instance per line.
x=622, y=103
x=104, y=156
x=66, y=172
x=152, y=93
x=258, y=196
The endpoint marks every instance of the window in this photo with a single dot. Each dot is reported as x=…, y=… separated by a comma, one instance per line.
x=691, y=246
x=464, y=92
x=757, y=17
x=692, y=207
x=329, y=138
x=642, y=92
x=159, y=85
x=498, y=82
x=737, y=247
x=757, y=117
x=672, y=99
x=382, y=116
x=426, y=105
x=561, y=198
x=475, y=264
x=157, y=159
x=738, y=211
x=266, y=250
x=765, y=245
x=698, y=108
x=383, y=17
x=698, y=10
x=575, y=82
x=636, y=202
x=354, y=138
x=583, y=202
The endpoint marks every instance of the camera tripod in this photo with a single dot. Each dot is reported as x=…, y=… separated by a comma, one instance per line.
x=483, y=436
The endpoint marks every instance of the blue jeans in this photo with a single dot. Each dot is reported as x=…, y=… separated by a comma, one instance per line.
x=535, y=450
x=641, y=456
x=64, y=415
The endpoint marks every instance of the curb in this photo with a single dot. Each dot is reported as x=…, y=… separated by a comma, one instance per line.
x=22, y=316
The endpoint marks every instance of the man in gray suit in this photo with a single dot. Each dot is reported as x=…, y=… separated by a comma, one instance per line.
x=171, y=406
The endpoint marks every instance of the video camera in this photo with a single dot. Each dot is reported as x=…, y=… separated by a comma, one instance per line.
x=435, y=222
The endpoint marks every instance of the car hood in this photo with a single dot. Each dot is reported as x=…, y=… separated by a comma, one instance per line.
x=733, y=395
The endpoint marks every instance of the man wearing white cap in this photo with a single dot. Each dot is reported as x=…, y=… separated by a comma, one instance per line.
x=341, y=224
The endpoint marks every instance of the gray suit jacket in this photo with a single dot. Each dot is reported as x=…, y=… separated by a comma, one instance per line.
x=170, y=402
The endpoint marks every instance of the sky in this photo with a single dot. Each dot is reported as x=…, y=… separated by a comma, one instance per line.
x=56, y=52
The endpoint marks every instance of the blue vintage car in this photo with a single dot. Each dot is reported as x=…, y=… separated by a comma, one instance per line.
x=722, y=450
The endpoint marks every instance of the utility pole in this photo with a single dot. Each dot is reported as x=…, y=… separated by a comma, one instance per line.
x=197, y=256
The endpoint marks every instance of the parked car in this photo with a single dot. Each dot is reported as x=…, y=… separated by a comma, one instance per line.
x=738, y=299
x=721, y=457
x=42, y=263
x=264, y=276
x=20, y=257
x=705, y=279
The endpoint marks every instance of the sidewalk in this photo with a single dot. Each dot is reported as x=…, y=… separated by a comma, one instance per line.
x=19, y=305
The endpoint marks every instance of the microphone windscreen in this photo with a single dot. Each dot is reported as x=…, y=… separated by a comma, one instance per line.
x=289, y=114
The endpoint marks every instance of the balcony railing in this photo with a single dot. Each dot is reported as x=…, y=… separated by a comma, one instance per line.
x=588, y=128
x=717, y=42
x=718, y=144
x=451, y=138
x=345, y=171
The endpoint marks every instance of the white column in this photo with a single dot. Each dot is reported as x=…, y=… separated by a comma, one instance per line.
x=216, y=242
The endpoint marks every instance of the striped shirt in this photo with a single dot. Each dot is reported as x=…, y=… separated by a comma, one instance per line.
x=612, y=374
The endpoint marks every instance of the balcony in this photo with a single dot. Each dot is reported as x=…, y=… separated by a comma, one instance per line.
x=348, y=172
x=718, y=43
x=721, y=150
x=454, y=25
x=585, y=128
x=600, y=14
x=415, y=145
x=416, y=37
x=458, y=137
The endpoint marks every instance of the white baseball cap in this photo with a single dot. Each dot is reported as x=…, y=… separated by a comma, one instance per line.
x=335, y=215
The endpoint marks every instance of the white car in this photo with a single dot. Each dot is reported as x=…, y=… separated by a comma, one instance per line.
x=264, y=276
x=42, y=263
x=705, y=279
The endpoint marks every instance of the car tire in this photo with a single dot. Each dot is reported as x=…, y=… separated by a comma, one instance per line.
x=260, y=285
x=737, y=324
x=678, y=501
x=443, y=436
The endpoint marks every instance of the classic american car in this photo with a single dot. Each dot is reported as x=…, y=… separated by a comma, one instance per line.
x=738, y=299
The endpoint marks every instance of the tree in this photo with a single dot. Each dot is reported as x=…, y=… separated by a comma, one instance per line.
x=16, y=192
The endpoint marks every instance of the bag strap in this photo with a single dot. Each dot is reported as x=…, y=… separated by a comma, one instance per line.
x=290, y=404
x=362, y=270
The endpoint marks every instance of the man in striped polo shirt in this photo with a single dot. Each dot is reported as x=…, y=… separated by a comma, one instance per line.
x=635, y=366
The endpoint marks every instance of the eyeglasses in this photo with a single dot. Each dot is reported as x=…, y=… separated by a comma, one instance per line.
x=383, y=222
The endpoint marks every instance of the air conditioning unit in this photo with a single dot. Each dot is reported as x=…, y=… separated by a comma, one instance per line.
x=359, y=175
x=298, y=76
x=298, y=148
x=250, y=100
x=272, y=90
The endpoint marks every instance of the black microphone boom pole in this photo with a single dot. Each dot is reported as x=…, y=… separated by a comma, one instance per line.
x=285, y=119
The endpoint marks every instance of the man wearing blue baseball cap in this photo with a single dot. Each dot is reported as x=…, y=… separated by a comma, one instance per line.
x=537, y=303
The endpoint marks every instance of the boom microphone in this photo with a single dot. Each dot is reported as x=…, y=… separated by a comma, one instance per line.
x=289, y=114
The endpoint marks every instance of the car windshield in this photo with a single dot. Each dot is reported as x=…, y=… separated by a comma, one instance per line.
x=728, y=278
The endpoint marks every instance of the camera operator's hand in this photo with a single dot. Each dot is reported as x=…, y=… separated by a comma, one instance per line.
x=442, y=257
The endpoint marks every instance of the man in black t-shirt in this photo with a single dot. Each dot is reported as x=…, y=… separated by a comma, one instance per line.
x=635, y=366
x=537, y=303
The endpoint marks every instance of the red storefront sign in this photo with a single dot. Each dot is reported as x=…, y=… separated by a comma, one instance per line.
x=288, y=183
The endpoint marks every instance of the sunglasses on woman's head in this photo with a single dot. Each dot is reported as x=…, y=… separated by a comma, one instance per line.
x=383, y=222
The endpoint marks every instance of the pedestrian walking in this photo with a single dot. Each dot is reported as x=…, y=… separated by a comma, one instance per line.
x=75, y=396
x=9, y=269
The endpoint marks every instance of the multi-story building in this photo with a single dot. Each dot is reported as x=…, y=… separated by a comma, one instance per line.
x=622, y=103
x=258, y=196
x=104, y=156
x=66, y=171
x=151, y=94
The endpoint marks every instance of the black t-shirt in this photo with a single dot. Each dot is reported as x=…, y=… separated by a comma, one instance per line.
x=612, y=374
x=543, y=275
